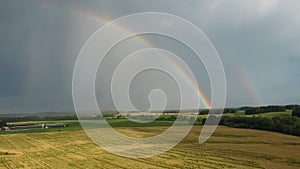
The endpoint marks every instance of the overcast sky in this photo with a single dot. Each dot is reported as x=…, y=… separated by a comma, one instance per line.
x=258, y=42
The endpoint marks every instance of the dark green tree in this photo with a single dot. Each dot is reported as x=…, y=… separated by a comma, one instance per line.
x=2, y=123
x=296, y=112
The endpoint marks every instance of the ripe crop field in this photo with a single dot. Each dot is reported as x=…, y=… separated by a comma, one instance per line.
x=227, y=148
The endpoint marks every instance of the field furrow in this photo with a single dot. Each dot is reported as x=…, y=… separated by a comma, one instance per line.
x=74, y=149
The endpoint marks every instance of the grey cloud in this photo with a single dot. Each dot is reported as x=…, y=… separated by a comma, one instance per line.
x=39, y=43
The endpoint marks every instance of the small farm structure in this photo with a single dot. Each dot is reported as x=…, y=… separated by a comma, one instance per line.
x=55, y=125
x=25, y=127
x=33, y=126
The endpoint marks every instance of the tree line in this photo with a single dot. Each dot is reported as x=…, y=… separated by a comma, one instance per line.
x=283, y=124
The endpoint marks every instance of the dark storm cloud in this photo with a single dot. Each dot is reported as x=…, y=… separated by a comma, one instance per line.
x=33, y=52
x=40, y=40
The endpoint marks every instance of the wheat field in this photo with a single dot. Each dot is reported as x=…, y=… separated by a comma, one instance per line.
x=227, y=148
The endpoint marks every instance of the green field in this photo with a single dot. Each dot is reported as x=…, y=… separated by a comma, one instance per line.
x=227, y=148
x=70, y=147
x=75, y=125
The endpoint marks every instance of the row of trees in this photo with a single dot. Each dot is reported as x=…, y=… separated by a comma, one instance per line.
x=225, y=111
x=284, y=124
x=255, y=110
x=264, y=109
x=292, y=106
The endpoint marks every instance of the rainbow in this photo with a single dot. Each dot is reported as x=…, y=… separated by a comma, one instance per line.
x=104, y=20
x=191, y=82
x=250, y=88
